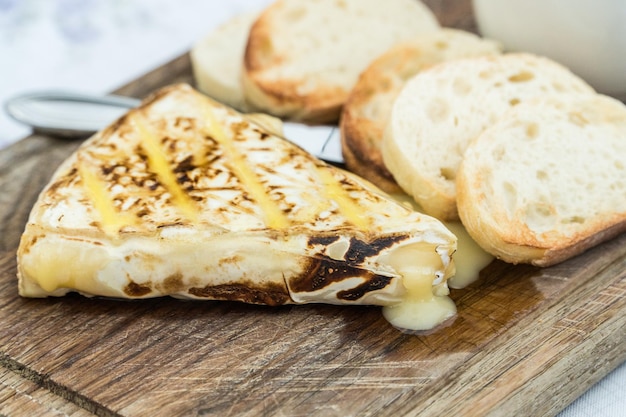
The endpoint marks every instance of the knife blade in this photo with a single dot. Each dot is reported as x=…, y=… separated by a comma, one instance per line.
x=71, y=114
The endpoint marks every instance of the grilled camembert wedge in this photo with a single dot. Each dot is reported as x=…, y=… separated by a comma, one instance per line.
x=188, y=198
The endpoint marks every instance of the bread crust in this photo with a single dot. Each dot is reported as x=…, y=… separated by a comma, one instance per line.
x=282, y=99
x=216, y=61
x=362, y=155
x=444, y=108
x=281, y=96
x=521, y=247
x=366, y=111
x=572, y=217
x=275, y=77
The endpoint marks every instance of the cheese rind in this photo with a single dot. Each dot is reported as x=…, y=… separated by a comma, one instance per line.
x=298, y=268
x=160, y=204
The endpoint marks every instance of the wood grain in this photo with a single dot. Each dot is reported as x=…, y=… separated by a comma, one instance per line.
x=526, y=341
x=20, y=396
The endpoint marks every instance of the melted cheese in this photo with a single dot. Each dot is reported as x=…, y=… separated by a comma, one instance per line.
x=469, y=258
x=51, y=273
x=424, y=306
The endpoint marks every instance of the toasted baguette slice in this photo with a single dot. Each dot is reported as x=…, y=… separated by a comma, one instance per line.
x=187, y=198
x=548, y=180
x=304, y=57
x=443, y=108
x=366, y=111
x=216, y=61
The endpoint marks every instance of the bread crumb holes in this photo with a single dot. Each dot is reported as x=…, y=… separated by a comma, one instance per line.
x=522, y=77
x=498, y=153
x=510, y=197
x=578, y=119
x=438, y=110
x=532, y=130
x=461, y=87
x=540, y=216
x=448, y=173
x=297, y=13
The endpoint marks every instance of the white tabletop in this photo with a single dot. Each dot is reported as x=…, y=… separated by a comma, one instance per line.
x=97, y=46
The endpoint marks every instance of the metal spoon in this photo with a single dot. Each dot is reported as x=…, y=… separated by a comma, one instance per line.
x=72, y=115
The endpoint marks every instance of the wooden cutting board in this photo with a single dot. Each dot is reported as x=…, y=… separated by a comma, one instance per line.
x=526, y=341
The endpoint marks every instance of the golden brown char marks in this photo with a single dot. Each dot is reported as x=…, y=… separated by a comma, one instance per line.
x=135, y=290
x=323, y=271
x=173, y=284
x=63, y=182
x=187, y=124
x=172, y=168
x=26, y=245
x=249, y=292
x=319, y=272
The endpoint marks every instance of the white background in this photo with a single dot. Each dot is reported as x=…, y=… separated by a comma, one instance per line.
x=97, y=46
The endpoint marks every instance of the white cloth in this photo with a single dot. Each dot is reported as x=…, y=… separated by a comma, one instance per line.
x=96, y=46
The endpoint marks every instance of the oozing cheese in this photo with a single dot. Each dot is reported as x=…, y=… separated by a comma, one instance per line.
x=469, y=258
x=53, y=274
x=425, y=304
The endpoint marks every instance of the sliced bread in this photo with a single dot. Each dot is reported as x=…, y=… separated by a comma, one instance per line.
x=547, y=180
x=443, y=108
x=366, y=111
x=216, y=61
x=303, y=57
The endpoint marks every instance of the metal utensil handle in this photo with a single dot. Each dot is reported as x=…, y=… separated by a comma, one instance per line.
x=67, y=114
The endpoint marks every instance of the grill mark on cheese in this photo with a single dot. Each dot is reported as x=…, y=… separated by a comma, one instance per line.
x=111, y=219
x=324, y=271
x=359, y=250
x=274, y=217
x=173, y=284
x=322, y=240
x=333, y=191
x=132, y=289
x=158, y=163
x=271, y=294
x=170, y=285
x=63, y=182
x=26, y=246
x=375, y=283
x=184, y=166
